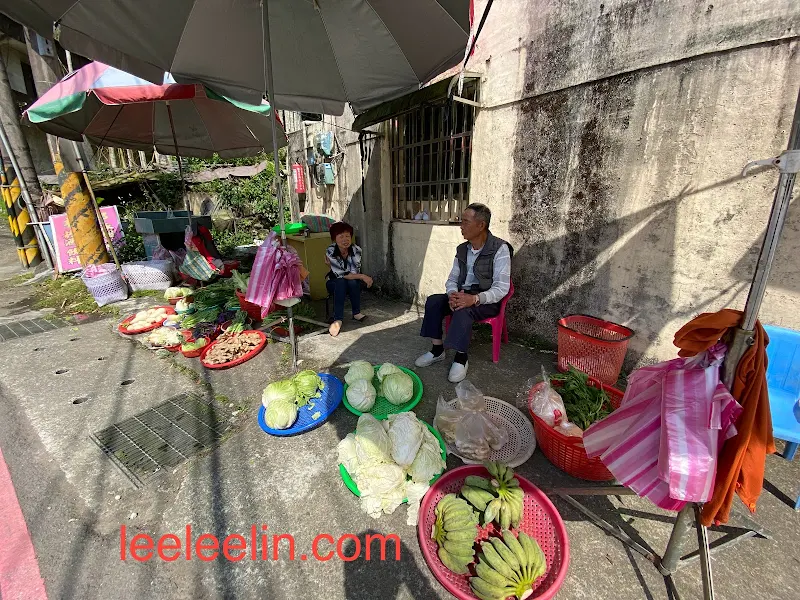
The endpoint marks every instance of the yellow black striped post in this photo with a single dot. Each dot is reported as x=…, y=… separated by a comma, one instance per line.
x=18, y=218
x=81, y=217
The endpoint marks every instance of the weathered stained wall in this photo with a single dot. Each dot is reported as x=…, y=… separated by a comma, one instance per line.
x=610, y=149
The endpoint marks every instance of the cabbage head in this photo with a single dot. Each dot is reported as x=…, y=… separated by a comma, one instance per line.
x=307, y=384
x=372, y=442
x=387, y=369
x=398, y=388
x=361, y=395
x=359, y=369
x=347, y=455
x=428, y=463
x=405, y=434
x=281, y=414
x=279, y=390
x=382, y=488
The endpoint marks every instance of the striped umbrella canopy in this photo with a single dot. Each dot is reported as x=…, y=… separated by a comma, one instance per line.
x=113, y=108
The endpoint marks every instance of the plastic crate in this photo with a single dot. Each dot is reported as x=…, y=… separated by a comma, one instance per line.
x=567, y=452
x=595, y=346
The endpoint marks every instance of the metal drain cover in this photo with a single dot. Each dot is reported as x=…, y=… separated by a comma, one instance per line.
x=162, y=437
x=18, y=329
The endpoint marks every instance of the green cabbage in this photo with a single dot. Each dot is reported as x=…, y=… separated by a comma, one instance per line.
x=382, y=488
x=398, y=388
x=308, y=385
x=359, y=369
x=361, y=395
x=281, y=414
x=387, y=369
x=372, y=442
x=428, y=463
x=405, y=434
x=279, y=390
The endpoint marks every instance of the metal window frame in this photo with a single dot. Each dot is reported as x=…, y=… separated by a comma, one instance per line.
x=443, y=129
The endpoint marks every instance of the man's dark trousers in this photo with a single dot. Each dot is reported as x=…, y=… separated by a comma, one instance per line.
x=437, y=307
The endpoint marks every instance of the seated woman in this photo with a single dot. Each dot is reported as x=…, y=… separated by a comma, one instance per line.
x=345, y=277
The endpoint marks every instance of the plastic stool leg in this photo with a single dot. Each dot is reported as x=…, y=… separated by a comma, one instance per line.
x=497, y=336
x=505, y=330
x=790, y=450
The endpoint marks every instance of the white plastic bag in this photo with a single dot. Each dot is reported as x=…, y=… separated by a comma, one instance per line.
x=546, y=403
x=467, y=426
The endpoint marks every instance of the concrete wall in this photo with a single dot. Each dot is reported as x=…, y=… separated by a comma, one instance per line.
x=361, y=183
x=609, y=150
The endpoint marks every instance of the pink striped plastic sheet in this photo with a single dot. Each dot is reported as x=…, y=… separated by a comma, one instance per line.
x=663, y=440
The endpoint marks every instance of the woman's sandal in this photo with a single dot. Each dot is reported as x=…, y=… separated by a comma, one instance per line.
x=335, y=327
x=361, y=320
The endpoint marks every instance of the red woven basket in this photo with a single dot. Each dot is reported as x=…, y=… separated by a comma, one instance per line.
x=567, y=452
x=594, y=346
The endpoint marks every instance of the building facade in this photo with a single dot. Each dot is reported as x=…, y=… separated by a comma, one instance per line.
x=609, y=142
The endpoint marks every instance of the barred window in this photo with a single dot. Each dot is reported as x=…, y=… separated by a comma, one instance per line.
x=431, y=147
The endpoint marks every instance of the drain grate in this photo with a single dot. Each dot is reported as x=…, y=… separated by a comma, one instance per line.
x=18, y=329
x=162, y=437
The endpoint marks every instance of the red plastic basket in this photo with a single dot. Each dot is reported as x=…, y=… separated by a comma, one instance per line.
x=594, y=346
x=567, y=452
x=540, y=520
x=253, y=310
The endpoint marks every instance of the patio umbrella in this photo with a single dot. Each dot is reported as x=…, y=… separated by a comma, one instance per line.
x=324, y=52
x=113, y=108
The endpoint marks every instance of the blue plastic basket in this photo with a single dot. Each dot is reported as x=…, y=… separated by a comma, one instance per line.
x=331, y=398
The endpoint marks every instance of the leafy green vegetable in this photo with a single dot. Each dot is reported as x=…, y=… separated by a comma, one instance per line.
x=237, y=325
x=194, y=345
x=281, y=414
x=387, y=369
x=308, y=385
x=239, y=281
x=279, y=390
x=361, y=395
x=585, y=404
x=359, y=369
x=206, y=315
x=397, y=388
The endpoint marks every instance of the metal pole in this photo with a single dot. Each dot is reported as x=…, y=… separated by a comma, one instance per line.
x=680, y=531
x=178, y=157
x=705, y=558
x=26, y=196
x=270, y=93
x=766, y=258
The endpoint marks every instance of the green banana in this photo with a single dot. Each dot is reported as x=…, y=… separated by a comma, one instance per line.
x=444, y=502
x=492, y=510
x=489, y=575
x=505, y=516
x=536, y=559
x=478, y=497
x=513, y=544
x=459, y=547
x=505, y=554
x=496, y=561
x=459, y=522
x=467, y=533
x=516, y=511
x=478, y=482
x=492, y=468
x=452, y=563
x=487, y=589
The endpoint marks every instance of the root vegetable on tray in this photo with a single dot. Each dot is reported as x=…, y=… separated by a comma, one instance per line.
x=230, y=346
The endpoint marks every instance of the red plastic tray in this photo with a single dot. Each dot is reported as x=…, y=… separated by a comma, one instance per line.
x=239, y=360
x=540, y=520
x=128, y=319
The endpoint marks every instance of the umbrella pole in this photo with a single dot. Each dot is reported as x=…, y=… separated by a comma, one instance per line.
x=278, y=186
x=180, y=168
x=789, y=164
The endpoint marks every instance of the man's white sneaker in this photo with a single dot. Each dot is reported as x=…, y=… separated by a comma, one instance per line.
x=458, y=372
x=428, y=359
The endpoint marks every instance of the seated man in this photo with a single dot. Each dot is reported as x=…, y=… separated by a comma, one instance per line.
x=479, y=280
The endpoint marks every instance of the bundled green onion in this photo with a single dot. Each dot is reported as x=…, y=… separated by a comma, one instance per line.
x=237, y=325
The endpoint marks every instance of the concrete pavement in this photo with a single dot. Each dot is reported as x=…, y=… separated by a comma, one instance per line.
x=75, y=501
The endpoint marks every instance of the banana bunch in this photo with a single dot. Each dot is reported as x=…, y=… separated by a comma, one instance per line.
x=500, y=499
x=507, y=567
x=455, y=532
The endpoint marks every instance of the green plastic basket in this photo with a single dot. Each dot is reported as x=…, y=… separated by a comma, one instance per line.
x=382, y=407
x=351, y=485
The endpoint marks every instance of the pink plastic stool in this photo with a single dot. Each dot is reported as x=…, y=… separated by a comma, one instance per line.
x=498, y=323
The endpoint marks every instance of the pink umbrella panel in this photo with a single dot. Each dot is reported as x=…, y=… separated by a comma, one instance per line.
x=113, y=108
